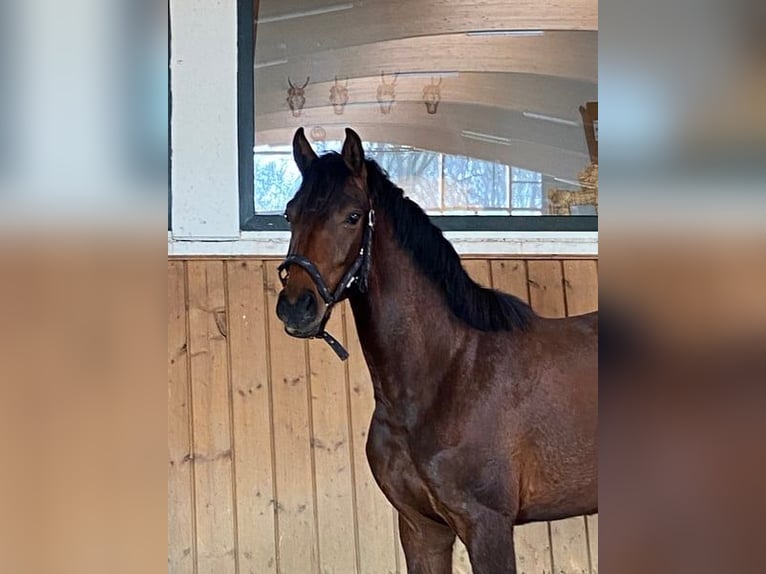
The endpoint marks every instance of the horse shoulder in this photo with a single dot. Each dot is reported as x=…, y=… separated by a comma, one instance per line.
x=391, y=462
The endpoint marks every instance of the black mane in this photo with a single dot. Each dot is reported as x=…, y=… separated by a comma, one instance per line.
x=481, y=308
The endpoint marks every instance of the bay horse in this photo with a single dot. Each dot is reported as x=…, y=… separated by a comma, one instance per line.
x=485, y=413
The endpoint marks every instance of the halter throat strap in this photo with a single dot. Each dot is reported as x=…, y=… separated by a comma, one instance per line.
x=357, y=273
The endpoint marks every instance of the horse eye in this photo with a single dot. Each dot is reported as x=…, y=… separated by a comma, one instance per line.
x=354, y=218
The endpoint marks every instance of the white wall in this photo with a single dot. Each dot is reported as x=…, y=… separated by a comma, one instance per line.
x=203, y=67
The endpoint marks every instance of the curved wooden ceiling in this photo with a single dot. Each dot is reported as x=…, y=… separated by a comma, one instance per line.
x=489, y=81
x=371, y=21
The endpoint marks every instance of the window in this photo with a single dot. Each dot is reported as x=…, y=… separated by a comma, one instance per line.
x=474, y=185
x=481, y=128
x=526, y=192
x=442, y=184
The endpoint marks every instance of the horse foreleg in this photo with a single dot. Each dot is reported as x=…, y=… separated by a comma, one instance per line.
x=490, y=544
x=427, y=545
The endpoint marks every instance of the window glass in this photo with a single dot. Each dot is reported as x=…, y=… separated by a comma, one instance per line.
x=474, y=184
x=476, y=114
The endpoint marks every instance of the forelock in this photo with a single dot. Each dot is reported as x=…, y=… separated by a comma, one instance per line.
x=323, y=184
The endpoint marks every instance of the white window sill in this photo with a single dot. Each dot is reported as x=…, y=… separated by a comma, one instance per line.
x=510, y=243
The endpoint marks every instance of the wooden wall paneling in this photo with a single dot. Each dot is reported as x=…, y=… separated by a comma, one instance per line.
x=581, y=286
x=461, y=562
x=375, y=517
x=251, y=411
x=332, y=456
x=510, y=276
x=532, y=541
x=546, y=288
x=592, y=524
x=242, y=474
x=533, y=548
x=568, y=537
x=298, y=548
x=181, y=542
x=478, y=269
x=569, y=542
x=211, y=425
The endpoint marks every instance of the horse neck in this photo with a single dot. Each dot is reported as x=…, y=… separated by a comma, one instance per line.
x=406, y=331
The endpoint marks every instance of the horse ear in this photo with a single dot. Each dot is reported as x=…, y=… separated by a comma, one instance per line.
x=352, y=152
x=303, y=153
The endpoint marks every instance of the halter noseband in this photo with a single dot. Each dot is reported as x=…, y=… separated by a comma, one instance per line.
x=357, y=273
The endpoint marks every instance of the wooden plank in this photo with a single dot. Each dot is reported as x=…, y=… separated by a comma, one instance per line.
x=461, y=563
x=375, y=517
x=478, y=269
x=251, y=410
x=533, y=544
x=546, y=289
x=570, y=547
x=568, y=538
x=533, y=548
x=211, y=424
x=332, y=454
x=581, y=286
x=510, y=276
x=592, y=524
x=298, y=550
x=181, y=544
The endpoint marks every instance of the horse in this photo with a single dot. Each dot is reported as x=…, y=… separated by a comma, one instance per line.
x=485, y=413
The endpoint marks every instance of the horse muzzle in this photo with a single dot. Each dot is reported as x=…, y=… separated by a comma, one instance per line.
x=300, y=316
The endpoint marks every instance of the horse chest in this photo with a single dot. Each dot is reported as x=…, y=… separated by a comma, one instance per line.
x=395, y=470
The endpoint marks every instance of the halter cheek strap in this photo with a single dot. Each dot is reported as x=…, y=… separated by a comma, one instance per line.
x=357, y=273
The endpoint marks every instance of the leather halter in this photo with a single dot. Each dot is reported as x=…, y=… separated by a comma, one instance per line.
x=357, y=273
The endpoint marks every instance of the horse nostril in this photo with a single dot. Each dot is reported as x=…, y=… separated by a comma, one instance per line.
x=306, y=304
x=283, y=307
x=301, y=312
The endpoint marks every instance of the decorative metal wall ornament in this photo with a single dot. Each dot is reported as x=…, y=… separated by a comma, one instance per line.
x=296, y=98
x=386, y=93
x=318, y=134
x=339, y=96
x=432, y=95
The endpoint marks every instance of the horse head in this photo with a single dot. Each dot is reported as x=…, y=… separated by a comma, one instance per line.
x=331, y=224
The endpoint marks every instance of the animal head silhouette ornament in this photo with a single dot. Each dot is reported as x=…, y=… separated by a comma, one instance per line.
x=295, y=97
x=386, y=93
x=432, y=95
x=339, y=96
